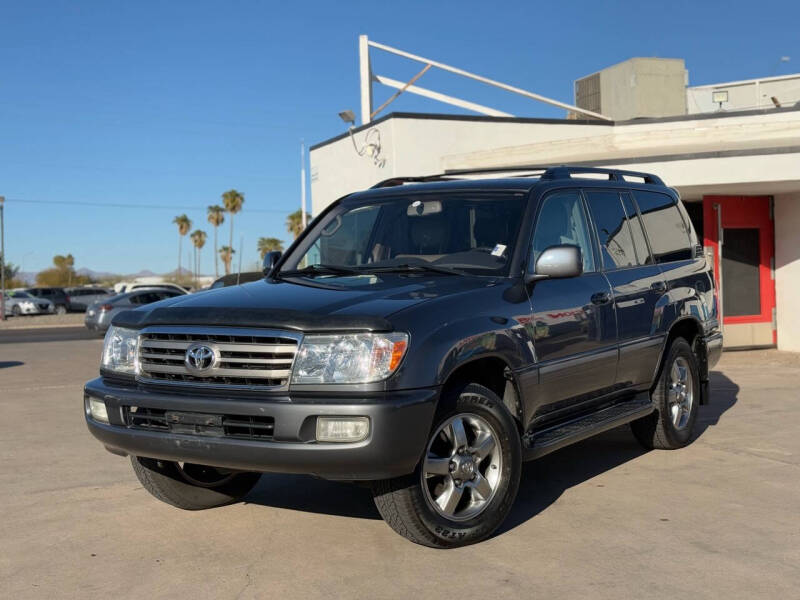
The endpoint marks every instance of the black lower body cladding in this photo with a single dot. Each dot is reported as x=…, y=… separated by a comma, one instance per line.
x=399, y=425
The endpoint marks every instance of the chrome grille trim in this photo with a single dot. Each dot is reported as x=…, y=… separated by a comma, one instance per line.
x=251, y=359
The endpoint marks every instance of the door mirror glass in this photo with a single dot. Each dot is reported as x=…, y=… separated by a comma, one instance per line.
x=270, y=260
x=558, y=262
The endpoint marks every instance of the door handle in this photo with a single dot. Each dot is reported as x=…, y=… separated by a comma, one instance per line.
x=659, y=287
x=601, y=298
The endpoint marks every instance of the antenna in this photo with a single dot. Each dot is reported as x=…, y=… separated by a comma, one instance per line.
x=241, y=250
x=303, y=183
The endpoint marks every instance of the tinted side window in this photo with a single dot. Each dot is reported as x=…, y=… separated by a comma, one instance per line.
x=613, y=230
x=637, y=232
x=562, y=220
x=666, y=230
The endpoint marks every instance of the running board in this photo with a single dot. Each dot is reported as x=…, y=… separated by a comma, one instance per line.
x=549, y=440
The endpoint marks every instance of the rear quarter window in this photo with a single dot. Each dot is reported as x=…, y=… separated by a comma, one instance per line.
x=667, y=231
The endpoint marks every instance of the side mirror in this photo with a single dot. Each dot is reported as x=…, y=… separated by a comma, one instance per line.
x=557, y=262
x=270, y=260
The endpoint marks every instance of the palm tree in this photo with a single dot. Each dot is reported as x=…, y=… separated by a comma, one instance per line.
x=216, y=216
x=232, y=200
x=198, y=237
x=269, y=244
x=226, y=254
x=184, y=225
x=294, y=222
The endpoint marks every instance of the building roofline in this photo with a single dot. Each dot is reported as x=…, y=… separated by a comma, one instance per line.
x=745, y=81
x=448, y=117
x=485, y=119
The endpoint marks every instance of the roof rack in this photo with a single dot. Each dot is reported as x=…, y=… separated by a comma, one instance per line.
x=566, y=172
x=395, y=181
x=544, y=172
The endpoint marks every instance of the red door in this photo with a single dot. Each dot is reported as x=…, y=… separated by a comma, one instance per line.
x=739, y=231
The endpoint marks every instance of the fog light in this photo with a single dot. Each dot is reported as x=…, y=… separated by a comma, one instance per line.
x=97, y=408
x=342, y=429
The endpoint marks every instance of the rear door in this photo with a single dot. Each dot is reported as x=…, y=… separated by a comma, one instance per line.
x=573, y=319
x=636, y=282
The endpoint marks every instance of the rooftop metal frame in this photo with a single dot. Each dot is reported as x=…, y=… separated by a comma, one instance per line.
x=367, y=78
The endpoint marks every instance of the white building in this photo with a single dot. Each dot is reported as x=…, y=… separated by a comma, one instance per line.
x=738, y=171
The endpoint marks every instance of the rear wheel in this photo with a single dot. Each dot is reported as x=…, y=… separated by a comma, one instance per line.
x=466, y=483
x=676, y=397
x=190, y=486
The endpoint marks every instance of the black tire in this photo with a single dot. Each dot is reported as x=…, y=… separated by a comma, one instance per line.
x=408, y=508
x=16, y=311
x=195, y=489
x=658, y=430
x=61, y=309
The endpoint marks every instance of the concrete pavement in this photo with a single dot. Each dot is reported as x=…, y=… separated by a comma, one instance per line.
x=602, y=519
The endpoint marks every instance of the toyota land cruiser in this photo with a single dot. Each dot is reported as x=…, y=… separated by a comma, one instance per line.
x=427, y=336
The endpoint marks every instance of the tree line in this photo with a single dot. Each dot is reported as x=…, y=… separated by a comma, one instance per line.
x=232, y=203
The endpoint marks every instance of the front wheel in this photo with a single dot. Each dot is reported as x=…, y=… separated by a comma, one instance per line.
x=467, y=480
x=16, y=311
x=61, y=309
x=189, y=486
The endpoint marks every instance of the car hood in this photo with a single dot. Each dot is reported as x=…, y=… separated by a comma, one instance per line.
x=335, y=304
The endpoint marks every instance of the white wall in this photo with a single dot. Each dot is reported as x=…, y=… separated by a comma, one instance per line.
x=787, y=270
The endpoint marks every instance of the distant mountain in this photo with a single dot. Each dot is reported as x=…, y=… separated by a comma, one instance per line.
x=29, y=277
x=95, y=275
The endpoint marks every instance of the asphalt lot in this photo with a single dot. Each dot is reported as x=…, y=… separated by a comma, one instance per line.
x=602, y=519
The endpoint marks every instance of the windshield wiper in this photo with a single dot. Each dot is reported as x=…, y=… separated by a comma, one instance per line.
x=320, y=270
x=410, y=268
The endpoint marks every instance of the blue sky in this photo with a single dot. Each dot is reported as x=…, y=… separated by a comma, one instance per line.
x=172, y=103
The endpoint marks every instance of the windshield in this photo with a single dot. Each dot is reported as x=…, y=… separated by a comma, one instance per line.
x=20, y=295
x=444, y=233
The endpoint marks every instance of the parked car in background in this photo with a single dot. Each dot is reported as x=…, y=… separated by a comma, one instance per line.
x=127, y=286
x=80, y=298
x=99, y=314
x=56, y=295
x=236, y=279
x=22, y=303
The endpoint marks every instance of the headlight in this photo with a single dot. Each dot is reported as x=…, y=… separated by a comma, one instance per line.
x=119, y=350
x=353, y=358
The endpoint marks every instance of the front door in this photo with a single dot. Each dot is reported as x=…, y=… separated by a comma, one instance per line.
x=575, y=333
x=739, y=232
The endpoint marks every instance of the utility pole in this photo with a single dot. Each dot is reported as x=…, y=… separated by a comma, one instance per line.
x=2, y=262
x=303, y=183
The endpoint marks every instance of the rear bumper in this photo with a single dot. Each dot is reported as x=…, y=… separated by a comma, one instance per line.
x=399, y=427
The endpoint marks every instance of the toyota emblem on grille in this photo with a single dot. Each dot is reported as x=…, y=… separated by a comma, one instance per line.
x=200, y=357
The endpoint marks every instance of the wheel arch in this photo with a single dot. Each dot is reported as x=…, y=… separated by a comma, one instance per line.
x=690, y=329
x=493, y=372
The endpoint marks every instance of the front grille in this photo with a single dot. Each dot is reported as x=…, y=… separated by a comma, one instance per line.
x=242, y=358
x=43, y=307
x=245, y=427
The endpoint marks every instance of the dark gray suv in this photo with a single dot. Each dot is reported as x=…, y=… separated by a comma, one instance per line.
x=427, y=336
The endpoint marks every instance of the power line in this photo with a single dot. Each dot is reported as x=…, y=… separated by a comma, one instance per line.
x=136, y=206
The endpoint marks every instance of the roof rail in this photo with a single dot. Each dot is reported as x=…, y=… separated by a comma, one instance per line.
x=566, y=172
x=394, y=181
x=544, y=171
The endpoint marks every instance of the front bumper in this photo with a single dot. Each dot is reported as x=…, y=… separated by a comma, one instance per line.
x=399, y=426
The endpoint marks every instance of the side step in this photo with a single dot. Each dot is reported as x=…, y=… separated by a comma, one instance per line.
x=543, y=442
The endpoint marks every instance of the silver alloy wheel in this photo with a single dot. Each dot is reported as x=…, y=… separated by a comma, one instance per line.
x=462, y=468
x=680, y=393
